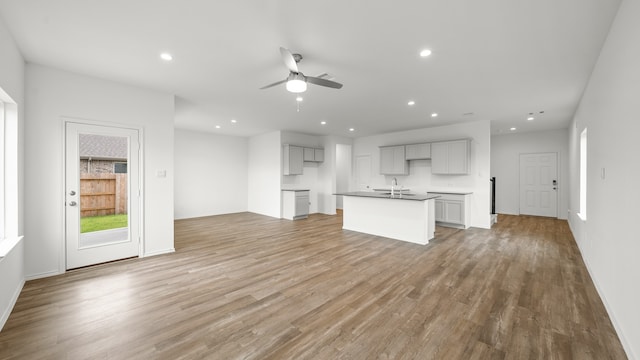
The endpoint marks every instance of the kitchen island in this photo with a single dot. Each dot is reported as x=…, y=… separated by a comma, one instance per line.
x=406, y=217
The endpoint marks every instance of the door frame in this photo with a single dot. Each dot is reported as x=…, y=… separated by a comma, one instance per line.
x=62, y=263
x=558, y=176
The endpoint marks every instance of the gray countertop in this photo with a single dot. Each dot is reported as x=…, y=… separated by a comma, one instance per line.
x=451, y=192
x=294, y=189
x=378, y=195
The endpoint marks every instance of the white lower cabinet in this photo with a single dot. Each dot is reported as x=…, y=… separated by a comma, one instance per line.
x=295, y=204
x=453, y=210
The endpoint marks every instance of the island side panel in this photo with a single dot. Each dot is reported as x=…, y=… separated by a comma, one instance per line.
x=431, y=218
x=404, y=220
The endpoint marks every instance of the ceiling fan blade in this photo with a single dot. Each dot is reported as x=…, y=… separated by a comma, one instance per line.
x=288, y=59
x=323, y=82
x=274, y=84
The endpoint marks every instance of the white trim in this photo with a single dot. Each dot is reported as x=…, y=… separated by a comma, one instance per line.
x=625, y=344
x=43, y=275
x=7, y=244
x=160, y=252
x=9, y=309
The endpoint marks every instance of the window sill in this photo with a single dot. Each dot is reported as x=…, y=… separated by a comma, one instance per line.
x=6, y=245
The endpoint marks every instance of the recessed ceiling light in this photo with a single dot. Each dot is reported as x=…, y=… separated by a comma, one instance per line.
x=513, y=129
x=411, y=103
x=425, y=53
x=352, y=129
x=217, y=126
x=434, y=115
x=234, y=121
x=166, y=56
x=323, y=123
x=299, y=98
x=530, y=118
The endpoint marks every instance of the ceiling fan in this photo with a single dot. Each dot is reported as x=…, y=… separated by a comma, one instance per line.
x=297, y=81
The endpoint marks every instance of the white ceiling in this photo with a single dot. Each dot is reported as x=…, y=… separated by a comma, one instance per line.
x=497, y=59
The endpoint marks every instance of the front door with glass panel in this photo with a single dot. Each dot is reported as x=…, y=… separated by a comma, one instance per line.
x=101, y=194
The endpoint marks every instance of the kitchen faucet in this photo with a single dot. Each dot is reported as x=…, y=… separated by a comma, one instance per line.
x=394, y=182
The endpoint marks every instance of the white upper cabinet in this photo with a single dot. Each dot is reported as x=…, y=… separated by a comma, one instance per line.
x=450, y=157
x=314, y=155
x=418, y=151
x=292, y=160
x=309, y=154
x=393, y=161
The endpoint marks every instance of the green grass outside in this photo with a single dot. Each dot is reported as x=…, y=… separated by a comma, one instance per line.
x=106, y=222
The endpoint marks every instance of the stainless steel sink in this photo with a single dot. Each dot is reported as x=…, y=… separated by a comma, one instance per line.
x=398, y=194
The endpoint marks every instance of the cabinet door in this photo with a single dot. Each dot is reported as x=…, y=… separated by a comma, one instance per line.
x=439, y=215
x=454, y=211
x=293, y=160
x=392, y=161
x=319, y=155
x=418, y=151
x=302, y=204
x=309, y=154
x=399, y=160
x=439, y=158
x=386, y=160
x=458, y=157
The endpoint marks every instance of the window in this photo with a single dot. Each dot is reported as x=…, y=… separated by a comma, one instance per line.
x=2, y=202
x=8, y=173
x=583, y=175
x=120, y=168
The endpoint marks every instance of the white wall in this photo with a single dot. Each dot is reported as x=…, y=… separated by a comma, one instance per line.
x=12, y=69
x=420, y=178
x=211, y=173
x=609, y=242
x=505, y=166
x=54, y=95
x=265, y=169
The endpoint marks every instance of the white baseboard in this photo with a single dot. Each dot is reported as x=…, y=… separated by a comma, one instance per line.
x=42, y=275
x=14, y=299
x=160, y=252
x=625, y=344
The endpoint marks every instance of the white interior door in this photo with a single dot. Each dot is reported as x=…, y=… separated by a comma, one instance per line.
x=102, y=194
x=539, y=184
x=363, y=172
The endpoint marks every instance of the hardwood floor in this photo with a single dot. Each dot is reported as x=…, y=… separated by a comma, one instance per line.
x=248, y=286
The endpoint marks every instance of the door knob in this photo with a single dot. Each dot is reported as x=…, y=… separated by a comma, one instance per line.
x=73, y=203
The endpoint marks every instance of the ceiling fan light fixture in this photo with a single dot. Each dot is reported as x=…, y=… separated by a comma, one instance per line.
x=296, y=84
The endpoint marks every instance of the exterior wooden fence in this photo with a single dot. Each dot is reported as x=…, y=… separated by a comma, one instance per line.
x=103, y=194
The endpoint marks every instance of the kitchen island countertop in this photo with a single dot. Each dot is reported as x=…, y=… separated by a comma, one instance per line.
x=378, y=195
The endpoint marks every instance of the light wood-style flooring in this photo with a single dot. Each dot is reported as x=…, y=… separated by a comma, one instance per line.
x=246, y=286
